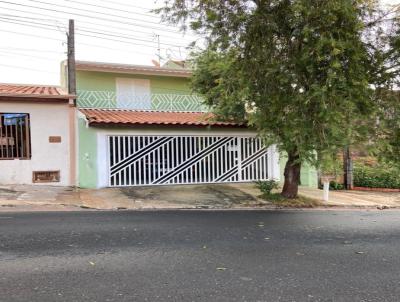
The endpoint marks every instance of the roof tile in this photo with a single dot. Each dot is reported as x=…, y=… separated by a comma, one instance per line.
x=138, y=117
x=31, y=90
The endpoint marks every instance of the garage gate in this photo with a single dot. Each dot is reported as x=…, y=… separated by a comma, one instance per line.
x=163, y=160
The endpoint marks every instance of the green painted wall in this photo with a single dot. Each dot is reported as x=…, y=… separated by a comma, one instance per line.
x=99, y=88
x=93, y=80
x=87, y=156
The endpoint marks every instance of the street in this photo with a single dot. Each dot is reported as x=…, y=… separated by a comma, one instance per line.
x=201, y=255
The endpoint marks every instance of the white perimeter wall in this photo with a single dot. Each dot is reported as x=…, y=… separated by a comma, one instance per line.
x=45, y=120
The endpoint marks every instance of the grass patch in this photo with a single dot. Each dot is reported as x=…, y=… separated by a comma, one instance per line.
x=299, y=202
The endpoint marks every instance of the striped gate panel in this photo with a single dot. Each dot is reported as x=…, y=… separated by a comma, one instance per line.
x=163, y=160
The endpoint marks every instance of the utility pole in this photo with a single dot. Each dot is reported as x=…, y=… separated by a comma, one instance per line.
x=348, y=168
x=71, y=58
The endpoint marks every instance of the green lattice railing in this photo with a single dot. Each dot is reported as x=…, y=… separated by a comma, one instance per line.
x=154, y=101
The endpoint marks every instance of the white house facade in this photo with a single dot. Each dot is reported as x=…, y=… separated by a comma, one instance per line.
x=37, y=135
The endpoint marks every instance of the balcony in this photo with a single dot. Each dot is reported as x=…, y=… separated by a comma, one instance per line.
x=153, y=101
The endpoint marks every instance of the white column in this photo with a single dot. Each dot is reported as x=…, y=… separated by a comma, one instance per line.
x=326, y=190
x=273, y=163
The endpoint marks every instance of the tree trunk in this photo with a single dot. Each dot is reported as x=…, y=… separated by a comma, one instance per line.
x=348, y=168
x=292, y=176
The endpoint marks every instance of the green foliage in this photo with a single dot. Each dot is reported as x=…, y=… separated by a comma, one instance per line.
x=266, y=186
x=300, y=71
x=333, y=185
x=376, y=176
x=213, y=70
x=296, y=70
x=330, y=165
x=387, y=142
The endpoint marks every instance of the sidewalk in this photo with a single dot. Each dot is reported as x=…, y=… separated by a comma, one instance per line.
x=37, y=198
x=216, y=196
x=355, y=198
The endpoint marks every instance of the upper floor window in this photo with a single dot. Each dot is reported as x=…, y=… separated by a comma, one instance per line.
x=15, y=136
x=133, y=93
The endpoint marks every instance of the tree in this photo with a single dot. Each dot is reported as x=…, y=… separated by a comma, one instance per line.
x=384, y=46
x=299, y=71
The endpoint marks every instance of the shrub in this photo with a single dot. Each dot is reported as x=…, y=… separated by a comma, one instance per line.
x=333, y=185
x=266, y=186
x=376, y=176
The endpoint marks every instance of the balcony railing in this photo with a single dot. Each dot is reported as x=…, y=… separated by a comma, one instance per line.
x=153, y=101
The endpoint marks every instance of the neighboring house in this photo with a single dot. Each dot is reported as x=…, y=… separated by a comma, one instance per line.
x=141, y=125
x=37, y=135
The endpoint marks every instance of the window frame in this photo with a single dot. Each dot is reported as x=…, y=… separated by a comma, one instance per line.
x=19, y=135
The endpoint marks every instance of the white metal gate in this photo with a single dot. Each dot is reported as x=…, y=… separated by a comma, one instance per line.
x=160, y=160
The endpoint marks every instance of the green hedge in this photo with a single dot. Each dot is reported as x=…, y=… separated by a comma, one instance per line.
x=378, y=176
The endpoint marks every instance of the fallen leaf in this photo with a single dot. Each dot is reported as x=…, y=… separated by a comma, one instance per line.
x=91, y=263
x=221, y=268
x=359, y=252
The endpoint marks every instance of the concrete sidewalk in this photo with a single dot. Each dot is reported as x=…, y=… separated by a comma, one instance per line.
x=346, y=198
x=43, y=198
x=152, y=197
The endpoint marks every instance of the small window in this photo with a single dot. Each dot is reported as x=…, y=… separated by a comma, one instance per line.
x=133, y=93
x=15, y=136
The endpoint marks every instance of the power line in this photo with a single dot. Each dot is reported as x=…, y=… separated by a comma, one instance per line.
x=26, y=55
x=87, y=44
x=180, y=36
x=30, y=50
x=31, y=35
x=115, y=40
x=125, y=4
x=80, y=34
x=29, y=25
x=110, y=33
x=27, y=68
x=83, y=15
x=114, y=9
x=40, y=25
x=94, y=11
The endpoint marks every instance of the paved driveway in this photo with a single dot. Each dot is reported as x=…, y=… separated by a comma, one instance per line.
x=200, y=256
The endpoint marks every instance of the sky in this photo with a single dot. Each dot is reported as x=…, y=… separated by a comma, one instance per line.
x=33, y=35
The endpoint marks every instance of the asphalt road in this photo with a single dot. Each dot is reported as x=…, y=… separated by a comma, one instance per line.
x=200, y=256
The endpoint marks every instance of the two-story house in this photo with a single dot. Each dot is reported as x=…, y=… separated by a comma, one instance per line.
x=134, y=126
x=141, y=125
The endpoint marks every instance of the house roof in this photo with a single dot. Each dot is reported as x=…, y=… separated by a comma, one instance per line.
x=141, y=117
x=133, y=69
x=33, y=91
